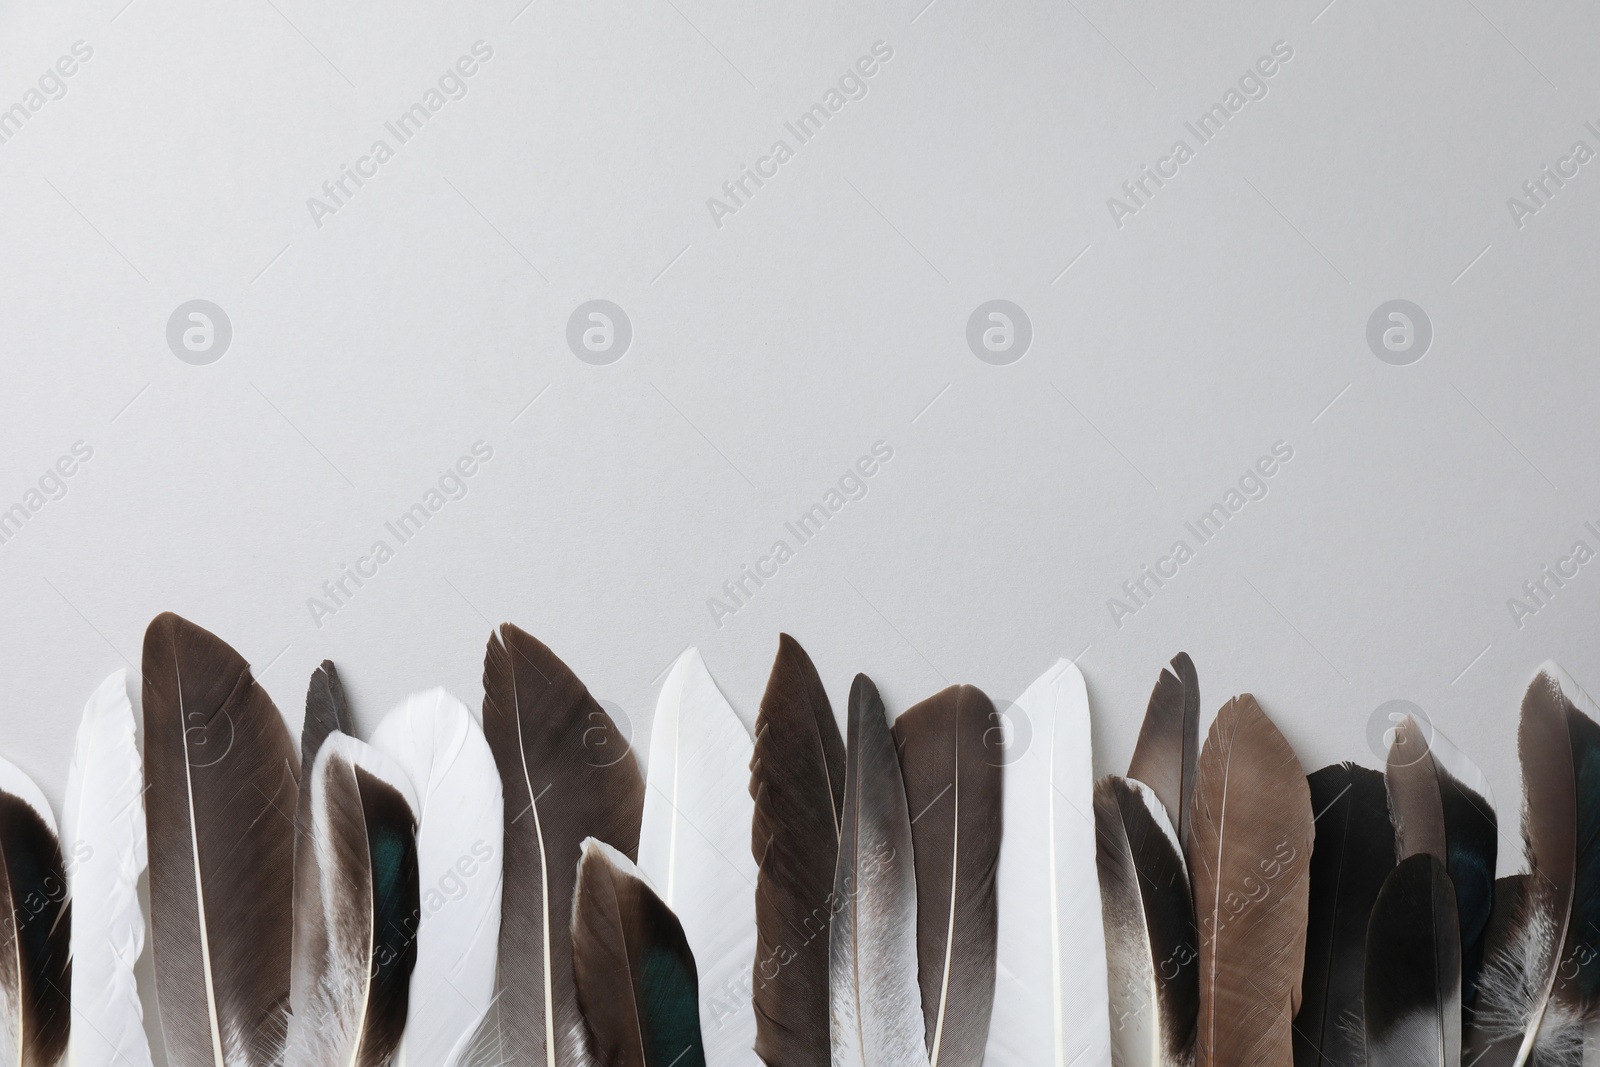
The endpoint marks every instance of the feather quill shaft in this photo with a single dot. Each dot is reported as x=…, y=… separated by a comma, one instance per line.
x=221, y=780
x=954, y=790
x=1051, y=1006
x=635, y=975
x=872, y=941
x=694, y=848
x=1250, y=839
x=797, y=773
x=567, y=774
x=102, y=825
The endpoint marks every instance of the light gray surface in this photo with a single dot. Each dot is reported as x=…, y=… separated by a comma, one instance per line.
x=828, y=313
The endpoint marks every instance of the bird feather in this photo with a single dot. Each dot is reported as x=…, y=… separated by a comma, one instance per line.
x=1516, y=1020
x=1250, y=839
x=954, y=790
x=1051, y=1007
x=693, y=848
x=102, y=827
x=635, y=974
x=872, y=941
x=440, y=747
x=1352, y=855
x=797, y=783
x=221, y=779
x=1169, y=740
x=1441, y=805
x=327, y=711
x=35, y=960
x=363, y=828
x=1411, y=997
x=1149, y=925
x=568, y=774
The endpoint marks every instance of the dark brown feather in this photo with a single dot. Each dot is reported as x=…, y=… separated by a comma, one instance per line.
x=1250, y=838
x=568, y=774
x=35, y=935
x=1169, y=741
x=797, y=780
x=219, y=765
x=954, y=794
x=635, y=975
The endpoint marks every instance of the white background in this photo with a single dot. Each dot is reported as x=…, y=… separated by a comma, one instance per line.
x=769, y=353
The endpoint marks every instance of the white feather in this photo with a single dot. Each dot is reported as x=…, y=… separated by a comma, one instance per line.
x=441, y=748
x=102, y=822
x=1050, y=1005
x=694, y=848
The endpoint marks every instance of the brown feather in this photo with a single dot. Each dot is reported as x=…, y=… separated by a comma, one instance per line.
x=1249, y=848
x=954, y=793
x=221, y=778
x=635, y=975
x=568, y=774
x=1169, y=741
x=797, y=780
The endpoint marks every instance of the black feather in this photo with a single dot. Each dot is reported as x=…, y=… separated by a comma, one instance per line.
x=1578, y=982
x=1353, y=854
x=1412, y=993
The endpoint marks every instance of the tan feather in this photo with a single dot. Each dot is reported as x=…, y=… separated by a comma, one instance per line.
x=1249, y=849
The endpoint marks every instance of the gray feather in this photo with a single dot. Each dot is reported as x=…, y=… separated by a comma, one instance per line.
x=872, y=942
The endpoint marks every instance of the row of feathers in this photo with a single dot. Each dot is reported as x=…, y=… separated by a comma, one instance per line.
x=516, y=893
